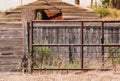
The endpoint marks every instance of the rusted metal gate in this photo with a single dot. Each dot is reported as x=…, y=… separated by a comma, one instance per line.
x=74, y=44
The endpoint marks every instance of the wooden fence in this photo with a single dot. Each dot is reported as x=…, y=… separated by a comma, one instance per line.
x=11, y=46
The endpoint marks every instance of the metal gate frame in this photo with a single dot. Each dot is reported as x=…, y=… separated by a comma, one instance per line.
x=82, y=45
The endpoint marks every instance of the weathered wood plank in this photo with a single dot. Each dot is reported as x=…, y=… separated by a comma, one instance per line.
x=11, y=12
x=10, y=61
x=10, y=34
x=9, y=53
x=10, y=68
x=13, y=15
x=10, y=48
x=10, y=19
x=27, y=16
x=10, y=25
x=12, y=42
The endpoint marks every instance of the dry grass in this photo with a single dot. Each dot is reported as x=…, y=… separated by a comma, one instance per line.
x=86, y=76
x=113, y=75
x=114, y=14
x=108, y=13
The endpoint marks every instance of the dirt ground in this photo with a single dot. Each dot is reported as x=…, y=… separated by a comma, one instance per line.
x=73, y=76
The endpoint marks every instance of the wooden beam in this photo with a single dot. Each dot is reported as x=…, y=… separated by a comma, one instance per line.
x=77, y=2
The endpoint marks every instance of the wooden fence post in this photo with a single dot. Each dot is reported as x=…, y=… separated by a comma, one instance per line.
x=27, y=16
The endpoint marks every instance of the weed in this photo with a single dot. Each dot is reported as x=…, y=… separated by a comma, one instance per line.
x=41, y=55
x=103, y=12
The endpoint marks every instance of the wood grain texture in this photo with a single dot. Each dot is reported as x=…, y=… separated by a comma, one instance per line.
x=11, y=46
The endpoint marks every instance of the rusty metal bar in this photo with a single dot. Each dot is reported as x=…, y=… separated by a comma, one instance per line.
x=105, y=45
x=74, y=69
x=32, y=46
x=72, y=27
x=59, y=27
x=28, y=37
x=81, y=49
x=105, y=21
x=102, y=42
x=31, y=49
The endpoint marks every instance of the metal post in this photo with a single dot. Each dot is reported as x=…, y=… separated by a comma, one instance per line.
x=30, y=64
x=28, y=37
x=81, y=49
x=102, y=42
x=28, y=46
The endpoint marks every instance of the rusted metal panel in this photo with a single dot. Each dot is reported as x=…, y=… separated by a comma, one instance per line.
x=54, y=14
x=48, y=14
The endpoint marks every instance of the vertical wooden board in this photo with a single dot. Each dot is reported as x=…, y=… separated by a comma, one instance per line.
x=27, y=16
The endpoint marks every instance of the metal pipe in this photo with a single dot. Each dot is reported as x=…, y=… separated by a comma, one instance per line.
x=31, y=49
x=105, y=45
x=92, y=20
x=102, y=42
x=81, y=49
x=70, y=69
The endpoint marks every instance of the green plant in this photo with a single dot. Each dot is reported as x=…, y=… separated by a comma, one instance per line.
x=114, y=53
x=103, y=12
x=41, y=55
x=105, y=3
x=72, y=65
x=117, y=60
